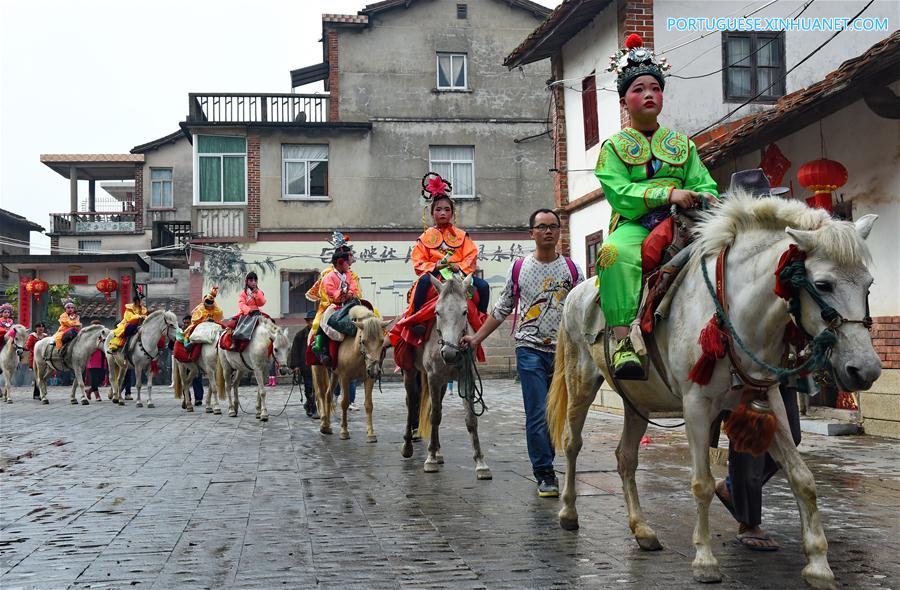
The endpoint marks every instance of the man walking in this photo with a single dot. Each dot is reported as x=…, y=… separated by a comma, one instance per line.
x=298, y=364
x=537, y=285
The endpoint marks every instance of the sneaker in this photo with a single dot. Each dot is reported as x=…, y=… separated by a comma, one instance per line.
x=352, y=407
x=548, y=486
x=626, y=362
x=198, y=402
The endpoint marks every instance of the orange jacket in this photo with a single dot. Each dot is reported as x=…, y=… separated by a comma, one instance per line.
x=434, y=243
x=249, y=303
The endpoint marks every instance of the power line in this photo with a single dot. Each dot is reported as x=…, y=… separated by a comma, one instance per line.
x=781, y=78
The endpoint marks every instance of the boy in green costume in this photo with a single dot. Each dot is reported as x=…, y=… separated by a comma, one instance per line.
x=644, y=169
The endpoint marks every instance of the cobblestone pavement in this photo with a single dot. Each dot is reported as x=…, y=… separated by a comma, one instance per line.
x=102, y=496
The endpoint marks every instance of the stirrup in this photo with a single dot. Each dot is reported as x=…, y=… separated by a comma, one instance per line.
x=626, y=363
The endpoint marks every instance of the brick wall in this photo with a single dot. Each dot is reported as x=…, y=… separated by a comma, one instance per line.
x=139, y=196
x=195, y=282
x=252, y=185
x=886, y=339
x=560, y=155
x=333, y=77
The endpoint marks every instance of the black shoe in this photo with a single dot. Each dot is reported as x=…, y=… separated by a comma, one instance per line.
x=309, y=406
x=198, y=402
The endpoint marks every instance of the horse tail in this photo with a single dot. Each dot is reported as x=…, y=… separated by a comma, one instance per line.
x=558, y=395
x=176, y=379
x=424, y=407
x=220, y=379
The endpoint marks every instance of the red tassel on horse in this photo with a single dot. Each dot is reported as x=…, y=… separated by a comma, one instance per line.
x=751, y=427
x=792, y=254
x=712, y=343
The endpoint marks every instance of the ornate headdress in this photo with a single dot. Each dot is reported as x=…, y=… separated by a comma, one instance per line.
x=434, y=187
x=6, y=307
x=636, y=60
x=210, y=298
x=341, y=245
x=138, y=292
x=67, y=302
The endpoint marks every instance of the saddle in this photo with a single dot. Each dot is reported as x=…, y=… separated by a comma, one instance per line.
x=663, y=254
x=312, y=358
x=185, y=355
x=228, y=342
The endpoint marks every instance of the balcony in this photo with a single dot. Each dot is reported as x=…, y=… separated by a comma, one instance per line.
x=285, y=109
x=173, y=236
x=88, y=223
x=221, y=223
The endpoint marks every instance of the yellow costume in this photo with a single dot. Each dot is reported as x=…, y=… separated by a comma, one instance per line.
x=134, y=312
x=318, y=293
x=203, y=312
x=66, y=323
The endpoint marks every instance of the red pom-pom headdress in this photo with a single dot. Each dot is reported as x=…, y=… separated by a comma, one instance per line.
x=635, y=60
x=434, y=186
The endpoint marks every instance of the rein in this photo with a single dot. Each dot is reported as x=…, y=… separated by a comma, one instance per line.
x=471, y=389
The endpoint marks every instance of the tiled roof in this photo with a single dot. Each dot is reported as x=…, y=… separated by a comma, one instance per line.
x=563, y=23
x=352, y=19
x=156, y=143
x=136, y=158
x=880, y=65
x=97, y=307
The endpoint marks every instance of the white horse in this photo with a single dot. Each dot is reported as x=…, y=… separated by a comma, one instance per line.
x=757, y=232
x=11, y=355
x=183, y=374
x=437, y=358
x=255, y=359
x=47, y=358
x=358, y=358
x=139, y=352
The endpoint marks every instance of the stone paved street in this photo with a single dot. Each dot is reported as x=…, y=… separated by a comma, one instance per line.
x=102, y=496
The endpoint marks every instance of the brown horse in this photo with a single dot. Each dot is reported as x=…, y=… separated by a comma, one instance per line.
x=358, y=358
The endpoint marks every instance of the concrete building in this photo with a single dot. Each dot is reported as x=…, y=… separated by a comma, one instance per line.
x=411, y=87
x=15, y=239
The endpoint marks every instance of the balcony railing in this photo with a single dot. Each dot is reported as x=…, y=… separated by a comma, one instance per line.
x=104, y=222
x=257, y=108
x=226, y=223
x=167, y=234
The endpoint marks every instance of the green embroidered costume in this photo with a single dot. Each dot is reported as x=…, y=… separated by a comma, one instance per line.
x=638, y=174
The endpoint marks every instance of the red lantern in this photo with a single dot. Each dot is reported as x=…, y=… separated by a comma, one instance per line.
x=822, y=177
x=107, y=286
x=36, y=287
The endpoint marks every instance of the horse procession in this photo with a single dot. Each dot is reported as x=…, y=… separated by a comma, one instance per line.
x=719, y=306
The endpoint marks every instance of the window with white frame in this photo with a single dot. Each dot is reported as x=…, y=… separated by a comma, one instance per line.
x=88, y=246
x=222, y=167
x=158, y=271
x=305, y=171
x=452, y=71
x=456, y=164
x=161, y=188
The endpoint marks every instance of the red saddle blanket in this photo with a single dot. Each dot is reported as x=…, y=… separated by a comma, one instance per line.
x=186, y=355
x=312, y=359
x=405, y=342
x=226, y=342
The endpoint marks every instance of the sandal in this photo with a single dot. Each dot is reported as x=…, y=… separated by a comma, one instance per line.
x=726, y=502
x=747, y=540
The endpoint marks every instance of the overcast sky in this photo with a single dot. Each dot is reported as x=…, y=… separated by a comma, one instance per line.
x=102, y=76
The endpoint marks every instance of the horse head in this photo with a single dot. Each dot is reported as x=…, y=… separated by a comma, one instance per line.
x=17, y=335
x=281, y=345
x=369, y=338
x=452, y=315
x=171, y=329
x=837, y=267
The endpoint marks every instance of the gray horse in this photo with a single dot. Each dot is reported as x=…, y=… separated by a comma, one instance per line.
x=140, y=351
x=11, y=355
x=436, y=359
x=47, y=358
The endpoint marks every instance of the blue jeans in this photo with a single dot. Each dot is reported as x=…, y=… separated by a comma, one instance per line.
x=353, y=384
x=197, y=386
x=535, y=369
x=420, y=295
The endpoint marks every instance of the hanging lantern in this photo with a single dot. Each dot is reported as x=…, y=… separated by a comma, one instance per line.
x=822, y=177
x=107, y=286
x=36, y=287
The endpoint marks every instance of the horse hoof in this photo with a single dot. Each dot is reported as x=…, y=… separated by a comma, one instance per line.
x=707, y=574
x=84, y=402
x=150, y=405
x=45, y=401
x=232, y=414
x=345, y=435
x=209, y=410
x=415, y=435
x=139, y=405
x=9, y=401
x=190, y=408
x=121, y=402
x=484, y=473
x=257, y=416
x=431, y=466
x=372, y=439
x=74, y=402
x=568, y=524
x=325, y=430
x=217, y=412
x=821, y=580
x=649, y=543
x=183, y=407
x=264, y=418
x=407, y=451
x=439, y=457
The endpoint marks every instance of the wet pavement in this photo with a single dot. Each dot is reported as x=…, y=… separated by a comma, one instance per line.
x=102, y=496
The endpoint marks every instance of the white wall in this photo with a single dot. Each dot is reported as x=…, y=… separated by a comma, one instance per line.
x=873, y=186
x=589, y=51
x=691, y=105
x=584, y=222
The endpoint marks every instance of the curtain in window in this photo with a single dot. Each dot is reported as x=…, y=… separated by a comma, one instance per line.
x=234, y=179
x=305, y=152
x=459, y=71
x=210, y=179
x=444, y=71
x=463, y=181
x=215, y=144
x=161, y=188
x=295, y=177
x=738, y=78
x=452, y=152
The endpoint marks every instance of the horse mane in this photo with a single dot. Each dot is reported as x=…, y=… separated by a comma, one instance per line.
x=453, y=287
x=368, y=330
x=740, y=212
